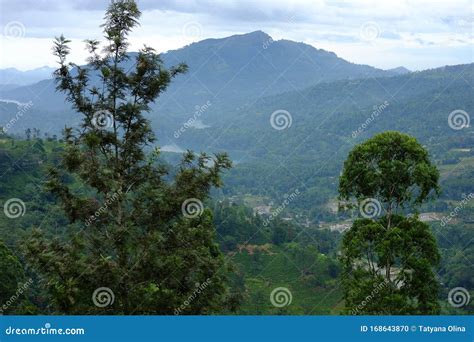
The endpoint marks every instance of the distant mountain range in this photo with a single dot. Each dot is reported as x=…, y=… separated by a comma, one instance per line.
x=400, y=70
x=235, y=84
x=11, y=77
x=255, y=65
x=228, y=72
x=242, y=79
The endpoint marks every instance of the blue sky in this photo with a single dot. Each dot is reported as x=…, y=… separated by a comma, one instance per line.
x=416, y=34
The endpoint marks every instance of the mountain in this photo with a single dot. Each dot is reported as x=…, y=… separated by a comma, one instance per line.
x=11, y=76
x=399, y=70
x=236, y=83
x=255, y=65
x=322, y=123
x=288, y=114
x=339, y=107
x=228, y=72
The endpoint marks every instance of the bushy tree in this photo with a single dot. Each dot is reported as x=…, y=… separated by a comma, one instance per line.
x=132, y=230
x=11, y=279
x=388, y=258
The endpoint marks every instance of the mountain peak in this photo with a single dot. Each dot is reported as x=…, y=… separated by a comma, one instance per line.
x=43, y=68
x=257, y=33
x=250, y=39
x=255, y=36
x=401, y=70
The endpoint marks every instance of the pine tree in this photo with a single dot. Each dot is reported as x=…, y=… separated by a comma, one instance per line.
x=140, y=240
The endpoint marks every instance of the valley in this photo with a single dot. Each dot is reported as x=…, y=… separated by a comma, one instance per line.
x=277, y=217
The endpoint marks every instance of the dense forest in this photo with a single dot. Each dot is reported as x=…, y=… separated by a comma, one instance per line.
x=303, y=258
x=100, y=216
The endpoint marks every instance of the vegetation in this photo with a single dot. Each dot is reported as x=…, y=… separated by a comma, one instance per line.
x=127, y=230
x=112, y=216
x=392, y=255
x=239, y=231
x=12, y=274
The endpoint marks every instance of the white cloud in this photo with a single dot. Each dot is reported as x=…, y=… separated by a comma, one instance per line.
x=407, y=29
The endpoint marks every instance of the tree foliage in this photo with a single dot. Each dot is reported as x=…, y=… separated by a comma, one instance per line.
x=127, y=231
x=12, y=274
x=392, y=167
x=388, y=260
x=13, y=284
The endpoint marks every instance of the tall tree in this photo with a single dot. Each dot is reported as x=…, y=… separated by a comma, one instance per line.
x=388, y=258
x=140, y=240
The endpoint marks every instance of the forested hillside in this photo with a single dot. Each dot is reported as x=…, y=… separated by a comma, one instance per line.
x=228, y=73
x=229, y=177
x=264, y=254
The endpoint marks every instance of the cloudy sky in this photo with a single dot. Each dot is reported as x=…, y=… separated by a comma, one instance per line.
x=386, y=34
